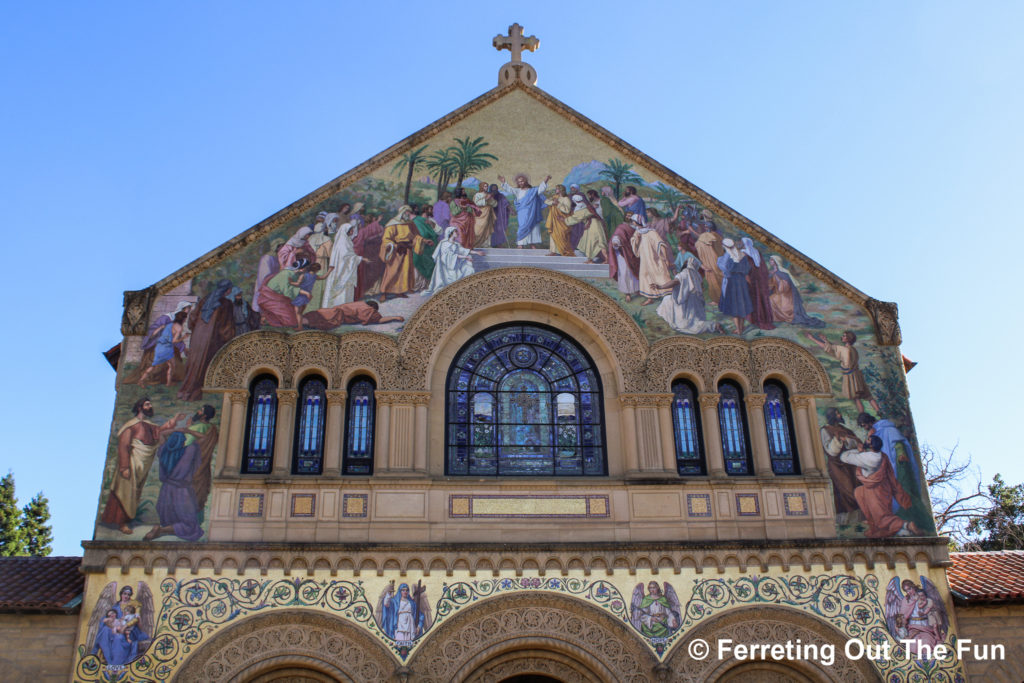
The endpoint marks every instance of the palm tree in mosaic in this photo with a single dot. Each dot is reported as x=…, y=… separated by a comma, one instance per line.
x=441, y=166
x=670, y=197
x=620, y=173
x=469, y=158
x=410, y=161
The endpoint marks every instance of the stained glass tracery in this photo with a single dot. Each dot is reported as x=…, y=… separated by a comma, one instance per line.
x=779, y=426
x=686, y=429
x=262, y=420
x=360, y=416
x=524, y=400
x=309, y=432
x=732, y=423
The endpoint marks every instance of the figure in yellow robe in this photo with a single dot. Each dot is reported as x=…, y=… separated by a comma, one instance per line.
x=558, y=229
x=400, y=241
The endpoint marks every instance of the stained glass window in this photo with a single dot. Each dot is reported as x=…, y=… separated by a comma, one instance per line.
x=309, y=429
x=260, y=422
x=779, y=424
x=359, y=422
x=524, y=400
x=732, y=420
x=686, y=428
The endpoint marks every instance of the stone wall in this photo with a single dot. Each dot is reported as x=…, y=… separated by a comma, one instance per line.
x=992, y=625
x=37, y=647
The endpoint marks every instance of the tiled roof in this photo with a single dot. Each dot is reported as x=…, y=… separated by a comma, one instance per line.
x=40, y=584
x=988, y=577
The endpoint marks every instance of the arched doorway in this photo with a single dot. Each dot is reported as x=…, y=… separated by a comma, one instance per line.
x=290, y=646
x=540, y=634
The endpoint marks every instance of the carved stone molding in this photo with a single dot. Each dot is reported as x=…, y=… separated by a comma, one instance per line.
x=766, y=625
x=535, y=663
x=800, y=401
x=335, y=397
x=885, y=315
x=135, y=318
x=583, y=634
x=441, y=313
x=336, y=356
x=556, y=559
x=710, y=359
x=637, y=400
x=405, y=398
x=291, y=639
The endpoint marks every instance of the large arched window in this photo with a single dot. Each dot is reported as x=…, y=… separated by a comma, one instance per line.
x=732, y=420
x=779, y=425
x=524, y=399
x=686, y=429
x=260, y=421
x=309, y=426
x=360, y=411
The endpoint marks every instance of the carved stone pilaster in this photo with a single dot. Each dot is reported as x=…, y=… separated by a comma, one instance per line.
x=405, y=398
x=755, y=401
x=803, y=402
x=336, y=396
x=885, y=315
x=137, y=304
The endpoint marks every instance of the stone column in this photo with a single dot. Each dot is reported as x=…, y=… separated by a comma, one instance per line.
x=232, y=431
x=630, y=463
x=333, y=445
x=421, y=399
x=382, y=432
x=812, y=460
x=668, y=436
x=712, y=434
x=647, y=431
x=285, y=432
x=758, y=434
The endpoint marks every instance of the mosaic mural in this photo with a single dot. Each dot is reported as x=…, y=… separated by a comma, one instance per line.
x=192, y=610
x=476, y=197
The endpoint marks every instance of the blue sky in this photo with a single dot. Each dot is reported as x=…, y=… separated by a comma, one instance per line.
x=881, y=139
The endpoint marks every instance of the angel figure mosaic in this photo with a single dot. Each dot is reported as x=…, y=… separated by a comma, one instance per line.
x=657, y=614
x=916, y=614
x=406, y=616
x=121, y=627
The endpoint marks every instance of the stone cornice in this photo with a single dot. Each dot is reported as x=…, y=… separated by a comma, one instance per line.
x=560, y=558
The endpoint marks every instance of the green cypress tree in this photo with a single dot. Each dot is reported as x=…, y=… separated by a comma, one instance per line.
x=12, y=537
x=37, y=534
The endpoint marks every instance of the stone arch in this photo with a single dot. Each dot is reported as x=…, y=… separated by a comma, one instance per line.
x=768, y=625
x=522, y=288
x=231, y=367
x=290, y=641
x=535, y=630
x=782, y=358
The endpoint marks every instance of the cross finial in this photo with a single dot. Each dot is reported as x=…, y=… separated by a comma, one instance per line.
x=515, y=43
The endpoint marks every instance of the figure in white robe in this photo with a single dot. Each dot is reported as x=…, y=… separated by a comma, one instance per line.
x=340, y=286
x=684, y=309
x=452, y=261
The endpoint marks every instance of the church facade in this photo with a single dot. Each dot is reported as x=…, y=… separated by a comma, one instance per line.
x=511, y=399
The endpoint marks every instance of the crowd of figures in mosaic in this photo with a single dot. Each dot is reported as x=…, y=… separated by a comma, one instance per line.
x=132, y=641
x=374, y=251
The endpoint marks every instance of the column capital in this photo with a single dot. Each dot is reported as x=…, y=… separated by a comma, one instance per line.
x=238, y=395
x=755, y=400
x=709, y=400
x=404, y=398
x=336, y=396
x=801, y=401
x=637, y=400
x=287, y=397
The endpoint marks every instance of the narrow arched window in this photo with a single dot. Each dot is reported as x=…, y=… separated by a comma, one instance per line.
x=686, y=429
x=309, y=426
x=360, y=411
x=732, y=420
x=260, y=421
x=778, y=422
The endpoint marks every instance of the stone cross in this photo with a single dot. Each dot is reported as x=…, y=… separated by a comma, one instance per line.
x=515, y=43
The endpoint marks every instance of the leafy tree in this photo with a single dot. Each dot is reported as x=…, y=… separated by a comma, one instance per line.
x=12, y=537
x=620, y=173
x=441, y=165
x=24, y=531
x=410, y=161
x=1001, y=527
x=468, y=158
x=34, y=523
x=669, y=196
